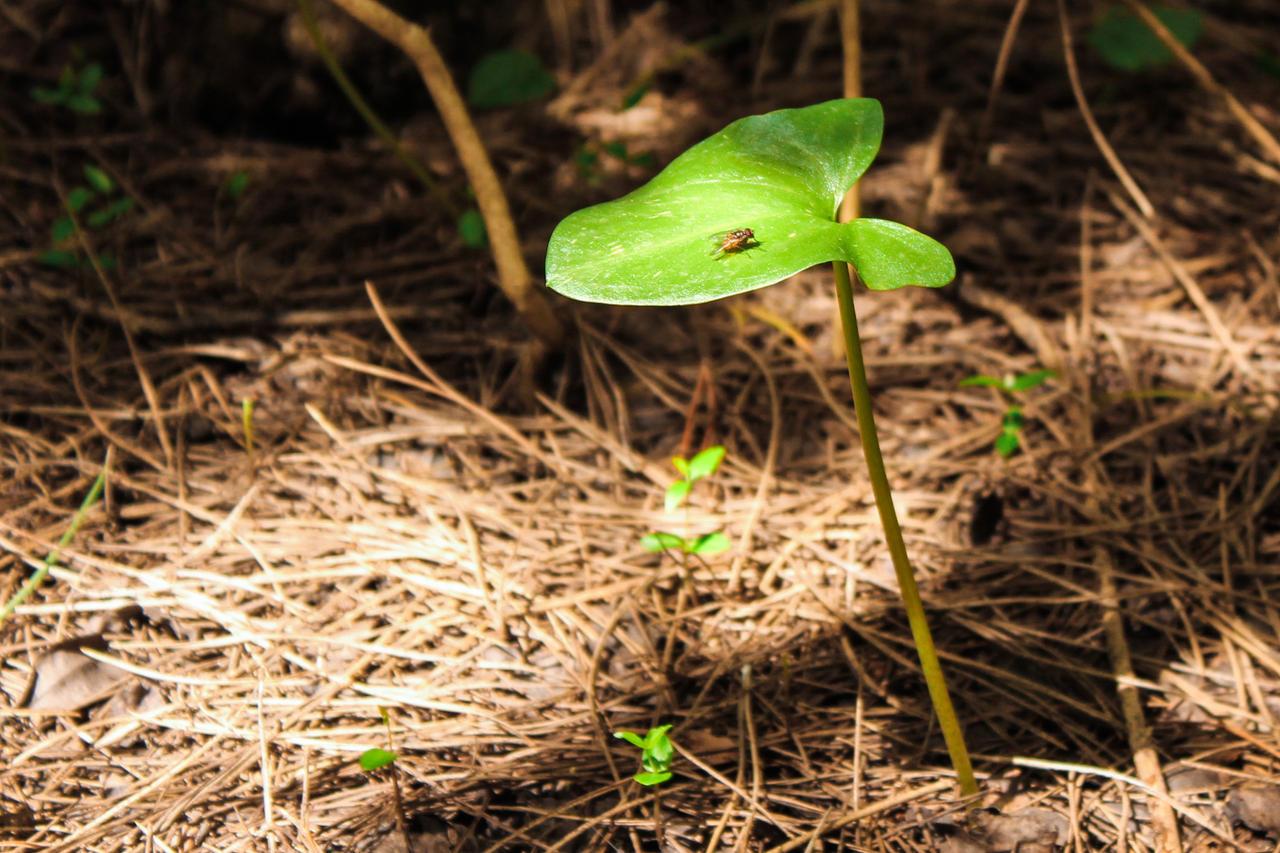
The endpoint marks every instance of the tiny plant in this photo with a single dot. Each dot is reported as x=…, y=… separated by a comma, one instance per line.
x=74, y=90
x=373, y=759
x=691, y=471
x=1011, y=423
x=780, y=177
x=1127, y=44
x=97, y=201
x=656, y=753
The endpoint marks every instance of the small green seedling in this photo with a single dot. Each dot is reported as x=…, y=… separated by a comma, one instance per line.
x=74, y=90
x=235, y=185
x=782, y=177
x=375, y=759
x=1127, y=44
x=506, y=78
x=656, y=753
x=1011, y=423
x=107, y=210
x=691, y=471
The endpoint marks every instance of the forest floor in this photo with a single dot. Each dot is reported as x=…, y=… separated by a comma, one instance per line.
x=410, y=522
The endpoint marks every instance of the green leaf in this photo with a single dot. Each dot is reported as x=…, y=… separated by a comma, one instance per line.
x=90, y=77
x=111, y=212
x=45, y=95
x=98, y=179
x=472, y=230
x=1006, y=444
x=984, y=381
x=681, y=464
x=1012, y=420
x=1027, y=381
x=373, y=759
x=676, y=493
x=706, y=462
x=637, y=93
x=651, y=779
x=710, y=543
x=236, y=184
x=658, y=745
x=1127, y=44
x=507, y=77
x=78, y=197
x=782, y=175
x=631, y=738
x=58, y=258
x=82, y=103
x=658, y=542
x=62, y=229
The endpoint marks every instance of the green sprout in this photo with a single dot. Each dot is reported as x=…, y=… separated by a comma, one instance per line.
x=80, y=199
x=656, y=752
x=74, y=90
x=779, y=178
x=1012, y=421
x=691, y=471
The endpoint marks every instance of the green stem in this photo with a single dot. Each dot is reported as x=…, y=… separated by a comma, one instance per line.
x=929, y=664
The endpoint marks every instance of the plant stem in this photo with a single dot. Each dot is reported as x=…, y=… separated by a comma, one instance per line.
x=929, y=664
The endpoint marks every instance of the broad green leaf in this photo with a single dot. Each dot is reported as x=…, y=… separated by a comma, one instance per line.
x=631, y=738
x=1127, y=44
x=471, y=229
x=507, y=77
x=372, y=759
x=710, y=543
x=1027, y=381
x=782, y=175
x=706, y=462
x=651, y=779
x=658, y=745
x=676, y=493
x=658, y=542
x=98, y=179
x=983, y=381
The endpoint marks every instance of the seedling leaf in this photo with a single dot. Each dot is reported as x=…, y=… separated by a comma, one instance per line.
x=237, y=183
x=1012, y=421
x=78, y=197
x=58, y=258
x=98, y=179
x=90, y=77
x=783, y=175
x=1007, y=443
x=1027, y=381
x=710, y=543
x=676, y=493
x=658, y=542
x=983, y=381
x=110, y=213
x=373, y=759
x=705, y=463
x=651, y=779
x=508, y=77
x=62, y=229
x=82, y=103
x=472, y=230
x=1127, y=44
x=682, y=465
x=631, y=738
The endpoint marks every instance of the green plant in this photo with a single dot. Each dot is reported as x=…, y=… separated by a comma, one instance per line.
x=74, y=90
x=375, y=758
x=95, y=491
x=65, y=252
x=1012, y=421
x=782, y=175
x=505, y=78
x=656, y=752
x=1127, y=44
x=691, y=471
